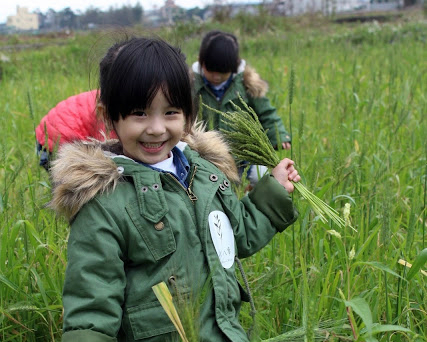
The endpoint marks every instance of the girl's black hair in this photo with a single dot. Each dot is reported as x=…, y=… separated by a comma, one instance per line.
x=132, y=72
x=219, y=51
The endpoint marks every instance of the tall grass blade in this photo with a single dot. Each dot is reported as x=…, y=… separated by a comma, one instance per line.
x=165, y=298
x=419, y=262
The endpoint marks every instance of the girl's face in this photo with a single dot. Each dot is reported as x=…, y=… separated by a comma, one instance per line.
x=215, y=78
x=148, y=135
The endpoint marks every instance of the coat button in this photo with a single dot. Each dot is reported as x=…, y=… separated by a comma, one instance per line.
x=222, y=187
x=159, y=226
x=156, y=187
x=120, y=169
x=172, y=280
x=144, y=189
x=226, y=183
x=213, y=177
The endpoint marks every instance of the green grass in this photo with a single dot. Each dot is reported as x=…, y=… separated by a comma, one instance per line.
x=359, y=128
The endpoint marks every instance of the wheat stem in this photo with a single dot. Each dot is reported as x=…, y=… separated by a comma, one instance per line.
x=249, y=142
x=165, y=298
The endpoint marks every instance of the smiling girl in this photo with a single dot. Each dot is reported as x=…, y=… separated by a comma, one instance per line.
x=155, y=206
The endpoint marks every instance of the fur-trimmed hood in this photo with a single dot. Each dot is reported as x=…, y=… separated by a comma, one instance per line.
x=84, y=169
x=254, y=84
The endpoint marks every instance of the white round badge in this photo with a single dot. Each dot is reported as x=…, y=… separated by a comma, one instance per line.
x=222, y=237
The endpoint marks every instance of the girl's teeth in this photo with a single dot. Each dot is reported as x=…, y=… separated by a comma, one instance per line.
x=152, y=145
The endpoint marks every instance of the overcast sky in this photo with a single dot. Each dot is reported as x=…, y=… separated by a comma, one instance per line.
x=8, y=7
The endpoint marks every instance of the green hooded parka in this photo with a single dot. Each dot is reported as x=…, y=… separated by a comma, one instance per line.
x=133, y=227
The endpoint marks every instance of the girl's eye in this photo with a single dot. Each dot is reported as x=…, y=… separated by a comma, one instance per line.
x=172, y=112
x=139, y=113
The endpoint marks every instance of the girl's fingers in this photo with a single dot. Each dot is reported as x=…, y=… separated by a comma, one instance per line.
x=296, y=179
x=291, y=169
x=294, y=176
x=286, y=163
x=286, y=173
x=286, y=145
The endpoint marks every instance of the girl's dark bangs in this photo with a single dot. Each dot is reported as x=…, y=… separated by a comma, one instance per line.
x=226, y=61
x=142, y=71
x=176, y=83
x=140, y=86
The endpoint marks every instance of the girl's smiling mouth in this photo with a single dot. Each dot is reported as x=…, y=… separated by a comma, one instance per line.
x=152, y=147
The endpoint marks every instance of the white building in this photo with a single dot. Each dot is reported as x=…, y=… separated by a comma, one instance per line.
x=297, y=7
x=23, y=20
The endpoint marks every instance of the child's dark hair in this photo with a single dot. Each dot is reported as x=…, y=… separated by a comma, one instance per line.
x=132, y=72
x=219, y=52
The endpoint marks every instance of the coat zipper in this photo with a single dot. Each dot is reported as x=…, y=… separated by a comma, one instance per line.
x=189, y=192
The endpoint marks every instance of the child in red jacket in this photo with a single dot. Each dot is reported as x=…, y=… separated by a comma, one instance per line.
x=71, y=119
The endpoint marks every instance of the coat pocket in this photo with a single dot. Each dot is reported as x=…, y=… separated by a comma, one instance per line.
x=158, y=236
x=149, y=320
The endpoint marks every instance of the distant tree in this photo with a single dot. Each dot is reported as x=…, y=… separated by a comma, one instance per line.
x=42, y=19
x=51, y=20
x=118, y=16
x=409, y=2
x=67, y=19
x=178, y=14
x=123, y=16
x=92, y=16
x=195, y=12
x=221, y=13
x=137, y=13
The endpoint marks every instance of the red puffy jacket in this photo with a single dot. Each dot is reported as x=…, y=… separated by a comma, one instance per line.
x=72, y=119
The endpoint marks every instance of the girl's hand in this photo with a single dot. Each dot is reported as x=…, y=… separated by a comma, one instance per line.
x=285, y=174
x=286, y=145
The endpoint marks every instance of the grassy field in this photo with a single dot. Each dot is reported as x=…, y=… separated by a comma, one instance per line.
x=358, y=120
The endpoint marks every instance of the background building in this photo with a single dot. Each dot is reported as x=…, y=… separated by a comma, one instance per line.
x=23, y=20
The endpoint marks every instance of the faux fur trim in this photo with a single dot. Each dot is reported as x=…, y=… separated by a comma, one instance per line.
x=255, y=85
x=212, y=147
x=83, y=169
x=79, y=173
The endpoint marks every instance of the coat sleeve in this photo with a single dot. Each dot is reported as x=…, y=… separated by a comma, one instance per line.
x=267, y=210
x=86, y=335
x=95, y=278
x=269, y=119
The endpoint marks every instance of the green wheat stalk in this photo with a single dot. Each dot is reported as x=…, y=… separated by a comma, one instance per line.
x=249, y=142
x=165, y=298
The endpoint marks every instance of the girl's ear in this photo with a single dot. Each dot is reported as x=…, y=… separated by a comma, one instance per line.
x=100, y=111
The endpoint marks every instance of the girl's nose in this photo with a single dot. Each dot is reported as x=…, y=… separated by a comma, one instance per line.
x=156, y=125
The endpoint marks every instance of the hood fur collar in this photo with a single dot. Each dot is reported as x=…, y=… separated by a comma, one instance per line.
x=84, y=169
